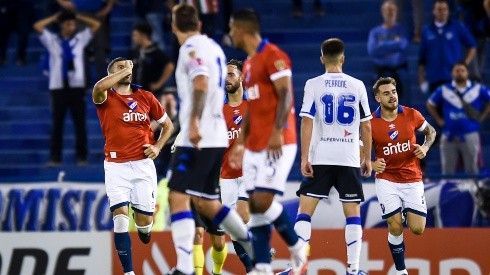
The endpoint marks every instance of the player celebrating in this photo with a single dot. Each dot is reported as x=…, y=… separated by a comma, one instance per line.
x=269, y=136
x=398, y=181
x=232, y=188
x=335, y=106
x=200, y=77
x=125, y=112
x=233, y=193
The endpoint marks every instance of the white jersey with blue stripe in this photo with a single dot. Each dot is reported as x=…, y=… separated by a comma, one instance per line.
x=200, y=55
x=337, y=103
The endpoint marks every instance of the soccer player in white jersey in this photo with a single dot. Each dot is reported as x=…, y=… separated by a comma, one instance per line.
x=125, y=112
x=335, y=107
x=200, y=76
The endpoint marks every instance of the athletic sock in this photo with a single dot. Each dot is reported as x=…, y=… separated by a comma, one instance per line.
x=198, y=255
x=219, y=258
x=353, y=239
x=183, y=230
x=397, y=249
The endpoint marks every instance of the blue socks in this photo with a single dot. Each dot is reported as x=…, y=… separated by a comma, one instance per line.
x=397, y=249
x=260, y=241
x=244, y=258
x=123, y=247
x=285, y=228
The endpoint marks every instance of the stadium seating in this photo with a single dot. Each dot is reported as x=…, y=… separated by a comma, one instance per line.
x=25, y=123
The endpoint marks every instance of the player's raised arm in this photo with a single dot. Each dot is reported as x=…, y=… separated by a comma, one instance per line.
x=99, y=93
x=200, y=83
x=367, y=139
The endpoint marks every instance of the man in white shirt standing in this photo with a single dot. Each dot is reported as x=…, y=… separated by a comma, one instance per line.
x=200, y=76
x=67, y=80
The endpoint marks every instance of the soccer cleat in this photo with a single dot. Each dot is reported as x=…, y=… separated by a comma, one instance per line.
x=299, y=260
x=175, y=271
x=258, y=272
x=287, y=271
x=144, y=237
x=360, y=272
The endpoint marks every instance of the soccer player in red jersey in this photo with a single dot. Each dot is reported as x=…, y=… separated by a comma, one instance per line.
x=398, y=180
x=125, y=112
x=266, y=147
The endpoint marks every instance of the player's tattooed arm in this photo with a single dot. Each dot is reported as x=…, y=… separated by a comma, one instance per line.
x=200, y=83
x=430, y=135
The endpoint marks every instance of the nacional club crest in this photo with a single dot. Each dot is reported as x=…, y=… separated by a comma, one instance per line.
x=133, y=105
x=393, y=134
x=237, y=120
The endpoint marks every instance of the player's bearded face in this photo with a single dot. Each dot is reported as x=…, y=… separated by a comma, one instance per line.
x=460, y=74
x=388, y=97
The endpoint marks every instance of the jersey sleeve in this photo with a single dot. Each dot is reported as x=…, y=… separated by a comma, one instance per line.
x=85, y=36
x=47, y=38
x=278, y=65
x=364, y=110
x=418, y=121
x=156, y=110
x=308, y=109
x=436, y=97
x=194, y=63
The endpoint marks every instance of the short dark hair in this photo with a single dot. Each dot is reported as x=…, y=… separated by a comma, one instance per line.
x=382, y=81
x=441, y=1
x=237, y=63
x=332, y=47
x=66, y=16
x=186, y=18
x=461, y=63
x=249, y=18
x=143, y=28
x=117, y=59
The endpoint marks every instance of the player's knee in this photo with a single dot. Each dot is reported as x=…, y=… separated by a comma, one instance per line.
x=199, y=235
x=395, y=228
x=142, y=220
x=219, y=244
x=417, y=230
x=121, y=223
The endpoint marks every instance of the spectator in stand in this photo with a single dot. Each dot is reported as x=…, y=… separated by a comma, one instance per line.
x=67, y=78
x=418, y=16
x=298, y=8
x=387, y=45
x=99, y=48
x=465, y=104
x=476, y=16
x=16, y=16
x=152, y=67
x=441, y=47
x=154, y=12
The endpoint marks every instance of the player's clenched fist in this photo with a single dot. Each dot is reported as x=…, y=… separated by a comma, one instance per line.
x=420, y=151
x=379, y=165
x=151, y=151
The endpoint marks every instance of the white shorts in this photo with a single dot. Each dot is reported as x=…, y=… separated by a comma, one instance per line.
x=132, y=182
x=396, y=197
x=232, y=190
x=263, y=175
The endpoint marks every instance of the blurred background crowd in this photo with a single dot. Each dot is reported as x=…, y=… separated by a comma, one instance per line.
x=49, y=124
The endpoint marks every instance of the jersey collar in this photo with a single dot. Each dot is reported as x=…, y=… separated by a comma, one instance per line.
x=134, y=87
x=262, y=45
x=378, y=111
